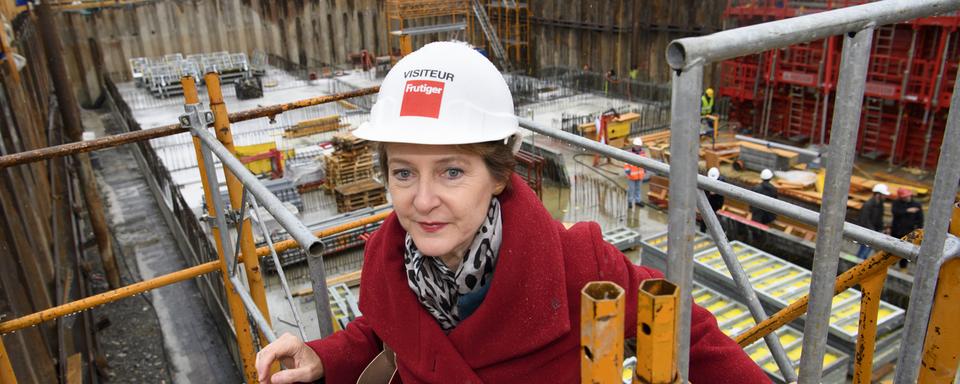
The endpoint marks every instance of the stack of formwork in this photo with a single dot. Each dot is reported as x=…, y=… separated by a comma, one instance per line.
x=350, y=174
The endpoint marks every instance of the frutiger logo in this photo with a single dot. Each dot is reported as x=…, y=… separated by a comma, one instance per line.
x=422, y=98
x=423, y=88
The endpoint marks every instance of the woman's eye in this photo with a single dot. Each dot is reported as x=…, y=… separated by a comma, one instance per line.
x=402, y=174
x=453, y=173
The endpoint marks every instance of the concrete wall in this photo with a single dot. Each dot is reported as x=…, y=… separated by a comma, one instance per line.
x=606, y=34
x=311, y=33
x=615, y=34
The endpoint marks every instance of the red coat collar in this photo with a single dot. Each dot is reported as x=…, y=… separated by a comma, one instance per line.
x=525, y=309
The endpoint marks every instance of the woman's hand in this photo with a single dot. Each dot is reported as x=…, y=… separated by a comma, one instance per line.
x=301, y=363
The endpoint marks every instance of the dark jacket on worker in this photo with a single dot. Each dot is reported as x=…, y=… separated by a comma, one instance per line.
x=905, y=222
x=759, y=215
x=871, y=214
x=715, y=199
x=527, y=329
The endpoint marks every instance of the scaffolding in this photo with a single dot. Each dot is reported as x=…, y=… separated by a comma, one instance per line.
x=789, y=92
x=511, y=20
x=407, y=19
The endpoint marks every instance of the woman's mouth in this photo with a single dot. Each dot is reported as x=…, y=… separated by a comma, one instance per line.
x=431, y=227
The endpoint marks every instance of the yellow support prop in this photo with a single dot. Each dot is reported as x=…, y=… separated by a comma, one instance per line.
x=657, y=332
x=237, y=313
x=251, y=264
x=871, y=287
x=941, y=349
x=601, y=332
x=7, y=376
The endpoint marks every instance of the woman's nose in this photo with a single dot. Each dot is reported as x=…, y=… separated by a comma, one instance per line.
x=426, y=198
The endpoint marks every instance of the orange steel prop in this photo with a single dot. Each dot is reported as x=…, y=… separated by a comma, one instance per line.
x=657, y=314
x=601, y=332
x=237, y=313
x=248, y=251
x=871, y=287
x=941, y=350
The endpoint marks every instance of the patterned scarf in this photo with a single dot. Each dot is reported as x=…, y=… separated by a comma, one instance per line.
x=437, y=287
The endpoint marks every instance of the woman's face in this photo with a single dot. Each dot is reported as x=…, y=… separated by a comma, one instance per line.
x=441, y=196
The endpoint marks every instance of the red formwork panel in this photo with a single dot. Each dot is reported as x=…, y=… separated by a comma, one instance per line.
x=913, y=68
x=914, y=139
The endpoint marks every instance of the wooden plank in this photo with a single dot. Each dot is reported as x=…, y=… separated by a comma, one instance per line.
x=74, y=369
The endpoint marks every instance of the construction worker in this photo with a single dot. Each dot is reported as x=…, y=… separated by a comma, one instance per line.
x=472, y=279
x=716, y=200
x=764, y=188
x=871, y=215
x=634, y=176
x=706, y=103
x=907, y=216
x=609, y=78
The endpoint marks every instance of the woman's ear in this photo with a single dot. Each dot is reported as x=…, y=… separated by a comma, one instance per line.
x=499, y=188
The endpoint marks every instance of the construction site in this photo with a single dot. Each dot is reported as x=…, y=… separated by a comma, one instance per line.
x=181, y=184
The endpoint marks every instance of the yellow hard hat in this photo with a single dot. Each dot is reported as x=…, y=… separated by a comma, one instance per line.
x=709, y=92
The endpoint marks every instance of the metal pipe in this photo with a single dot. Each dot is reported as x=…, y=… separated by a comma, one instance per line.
x=237, y=192
x=770, y=144
x=601, y=332
x=6, y=369
x=657, y=332
x=941, y=201
x=290, y=244
x=742, y=281
x=274, y=110
x=166, y=130
x=870, y=288
x=280, y=274
x=271, y=203
x=214, y=203
x=47, y=153
x=862, y=235
x=253, y=311
x=107, y=297
x=687, y=52
x=833, y=210
x=684, y=143
x=941, y=349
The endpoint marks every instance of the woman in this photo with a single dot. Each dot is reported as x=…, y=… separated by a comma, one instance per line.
x=470, y=279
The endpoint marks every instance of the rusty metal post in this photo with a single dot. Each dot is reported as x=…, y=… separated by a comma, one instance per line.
x=7, y=376
x=657, y=350
x=237, y=313
x=870, y=287
x=70, y=112
x=248, y=250
x=941, y=350
x=601, y=332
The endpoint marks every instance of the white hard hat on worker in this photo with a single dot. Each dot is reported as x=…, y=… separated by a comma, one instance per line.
x=445, y=93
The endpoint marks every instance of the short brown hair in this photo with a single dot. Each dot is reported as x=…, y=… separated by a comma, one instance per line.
x=497, y=156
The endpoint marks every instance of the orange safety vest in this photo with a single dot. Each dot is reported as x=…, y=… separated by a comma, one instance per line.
x=636, y=173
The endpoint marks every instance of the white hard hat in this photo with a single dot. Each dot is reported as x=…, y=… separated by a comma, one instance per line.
x=637, y=142
x=766, y=174
x=714, y=173
x=881, y=189
x=443, y=93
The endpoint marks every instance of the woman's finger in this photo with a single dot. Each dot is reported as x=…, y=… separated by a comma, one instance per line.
x=291, y=376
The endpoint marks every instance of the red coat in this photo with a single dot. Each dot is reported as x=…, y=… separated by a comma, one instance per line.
x=527, y=329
